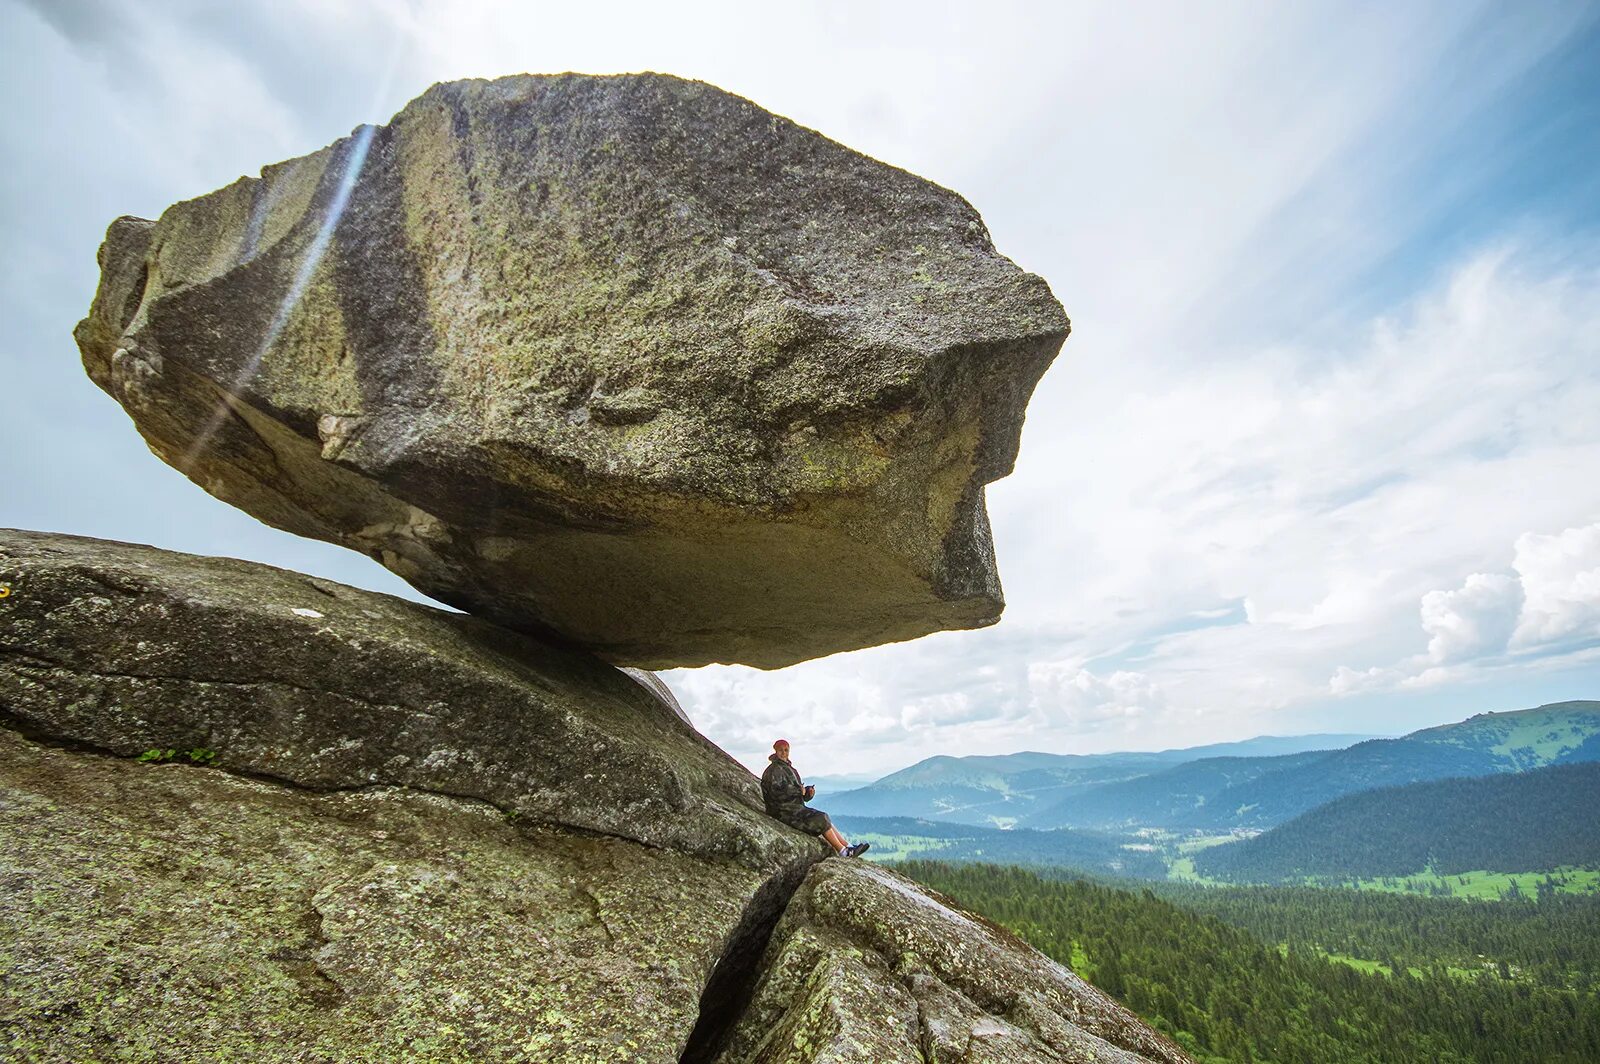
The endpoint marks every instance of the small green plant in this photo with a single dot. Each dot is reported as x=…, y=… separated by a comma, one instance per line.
x=200, y=755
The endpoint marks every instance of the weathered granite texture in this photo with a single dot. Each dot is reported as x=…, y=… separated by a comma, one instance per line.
x=626, y=359
x=867, y=967
x=248, y=815
x=174, y=913
x=127, y=648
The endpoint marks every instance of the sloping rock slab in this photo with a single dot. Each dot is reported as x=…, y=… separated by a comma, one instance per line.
x=867, y=967
x=163, y=912
x=626, y=359
x=127, y=649
x=250, y=815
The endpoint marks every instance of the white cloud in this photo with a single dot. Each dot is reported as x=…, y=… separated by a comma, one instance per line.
x=1560, y=578
x=1474, y=620
x=1341, y=494
x=1546, y=611
x=1070, y=698
x=1348, y=681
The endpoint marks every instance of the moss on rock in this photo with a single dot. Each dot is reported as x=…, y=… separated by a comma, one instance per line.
x=866, y=965
x=168, y=912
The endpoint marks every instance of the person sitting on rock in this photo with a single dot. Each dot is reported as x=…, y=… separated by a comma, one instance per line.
x=786, y=797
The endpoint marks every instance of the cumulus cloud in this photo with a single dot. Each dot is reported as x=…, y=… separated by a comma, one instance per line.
x=1348, y=681
x=1360, y=501
x=1545, y=609
x=1560, y=578
x=1473, y=620
x=1073, y=699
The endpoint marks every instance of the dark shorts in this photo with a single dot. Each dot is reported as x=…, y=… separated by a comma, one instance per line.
x=810, y=821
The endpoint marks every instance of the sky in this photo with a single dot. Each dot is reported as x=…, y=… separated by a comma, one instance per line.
x=1321, y=454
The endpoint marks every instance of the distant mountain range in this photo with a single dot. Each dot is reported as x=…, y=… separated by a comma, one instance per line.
x=1529, y=821
x=1258, y=783
x=1175, y=797
x=1005, y=789
x=1484, y=745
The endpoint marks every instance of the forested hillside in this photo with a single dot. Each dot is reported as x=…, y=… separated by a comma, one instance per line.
x=1227, y=995
x=1554, y=734
x=985, y=790
x=1554, y=941
x=1278, y=796
x=1257, y=783
x=1484, y=745
x=1516, y=822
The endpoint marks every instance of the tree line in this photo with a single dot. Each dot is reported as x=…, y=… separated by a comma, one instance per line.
x=1516, y=822
x=1225, y=994
x=1554, y=942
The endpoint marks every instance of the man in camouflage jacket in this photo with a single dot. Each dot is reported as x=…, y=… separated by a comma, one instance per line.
x=785, y=795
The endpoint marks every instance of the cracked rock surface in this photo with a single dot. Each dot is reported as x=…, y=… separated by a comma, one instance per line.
x=166, y=912
x=867, y=967
x=627, y=359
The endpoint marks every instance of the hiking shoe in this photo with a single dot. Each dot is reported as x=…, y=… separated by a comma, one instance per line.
x=858, y=849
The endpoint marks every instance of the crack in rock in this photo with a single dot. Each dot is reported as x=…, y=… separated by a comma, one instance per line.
x=41, y=737
x=733, y=978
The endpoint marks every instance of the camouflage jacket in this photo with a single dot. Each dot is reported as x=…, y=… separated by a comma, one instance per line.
x=781, y=788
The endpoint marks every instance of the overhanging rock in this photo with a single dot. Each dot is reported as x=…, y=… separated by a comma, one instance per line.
x=625, y=359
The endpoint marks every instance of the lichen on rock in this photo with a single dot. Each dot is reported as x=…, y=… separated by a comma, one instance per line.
x=127, y=648
x=634, y=372
x=166, y=912
x=247, y=814
x=867, y=967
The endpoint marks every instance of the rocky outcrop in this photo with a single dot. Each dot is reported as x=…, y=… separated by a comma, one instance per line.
x=246, y=814
x=635, y=373
x=867, y=967
x=175, y=913
x=127, y=649
x=627, y=360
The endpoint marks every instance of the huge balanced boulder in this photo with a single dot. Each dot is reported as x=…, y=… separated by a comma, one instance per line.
x=624, y=360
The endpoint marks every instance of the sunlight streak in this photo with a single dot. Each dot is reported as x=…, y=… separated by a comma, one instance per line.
x=355, y=160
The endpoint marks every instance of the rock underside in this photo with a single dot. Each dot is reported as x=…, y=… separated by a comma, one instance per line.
x=372, y=830
x=626, y=360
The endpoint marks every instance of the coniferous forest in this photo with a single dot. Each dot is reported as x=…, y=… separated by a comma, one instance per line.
x=1315, y=977
x=1554, y=942
x=1512, y=822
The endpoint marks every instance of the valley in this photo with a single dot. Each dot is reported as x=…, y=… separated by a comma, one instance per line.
x=1497, y=805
